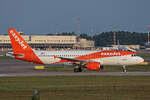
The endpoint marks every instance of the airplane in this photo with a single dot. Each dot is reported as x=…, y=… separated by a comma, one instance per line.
x=92, y=60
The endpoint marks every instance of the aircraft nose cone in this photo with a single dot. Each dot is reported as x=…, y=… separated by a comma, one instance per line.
x=140, y=60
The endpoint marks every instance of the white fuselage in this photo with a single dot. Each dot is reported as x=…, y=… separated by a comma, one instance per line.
x=48, y=57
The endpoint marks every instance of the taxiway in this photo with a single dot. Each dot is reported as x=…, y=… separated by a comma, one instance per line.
x=13, y=67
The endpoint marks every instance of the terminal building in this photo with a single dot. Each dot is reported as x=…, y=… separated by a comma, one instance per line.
x=49, y=42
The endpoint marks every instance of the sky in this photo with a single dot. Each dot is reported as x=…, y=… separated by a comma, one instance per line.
x=41, y=16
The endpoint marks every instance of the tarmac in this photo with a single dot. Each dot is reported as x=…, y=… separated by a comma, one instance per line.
x=13, y=67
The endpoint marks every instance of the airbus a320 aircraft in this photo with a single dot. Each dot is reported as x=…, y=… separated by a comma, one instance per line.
x=92, y=60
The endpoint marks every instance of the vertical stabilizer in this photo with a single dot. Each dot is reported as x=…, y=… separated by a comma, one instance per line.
x=21, y=49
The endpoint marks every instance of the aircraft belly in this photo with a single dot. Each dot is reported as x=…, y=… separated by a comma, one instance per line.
x=49, y=60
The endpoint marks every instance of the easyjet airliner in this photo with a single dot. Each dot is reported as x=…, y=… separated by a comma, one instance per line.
x=92, y=60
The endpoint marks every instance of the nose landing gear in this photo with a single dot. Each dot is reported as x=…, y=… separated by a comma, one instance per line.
x=124, y=68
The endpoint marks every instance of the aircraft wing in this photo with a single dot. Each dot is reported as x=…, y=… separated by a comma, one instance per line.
x=75, y=60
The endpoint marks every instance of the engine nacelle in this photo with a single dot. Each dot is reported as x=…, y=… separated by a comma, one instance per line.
x=93, y=66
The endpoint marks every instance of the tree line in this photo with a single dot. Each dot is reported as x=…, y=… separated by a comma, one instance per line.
x=124, y=38
x=106, y=38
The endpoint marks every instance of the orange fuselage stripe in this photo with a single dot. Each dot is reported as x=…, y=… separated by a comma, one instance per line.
x=101, y=54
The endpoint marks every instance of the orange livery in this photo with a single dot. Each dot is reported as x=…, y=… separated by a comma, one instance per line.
x=92, y=60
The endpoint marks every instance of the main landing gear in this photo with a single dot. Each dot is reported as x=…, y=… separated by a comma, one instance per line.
x=124, y=68
x=77, y=69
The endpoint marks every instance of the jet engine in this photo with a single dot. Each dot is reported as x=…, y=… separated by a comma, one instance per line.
x=94, y=66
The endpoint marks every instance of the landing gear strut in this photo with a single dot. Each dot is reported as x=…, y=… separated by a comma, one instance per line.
x=77, y=69
x=124, y=68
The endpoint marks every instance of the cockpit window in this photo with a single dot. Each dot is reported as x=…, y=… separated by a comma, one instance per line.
x=133, y=55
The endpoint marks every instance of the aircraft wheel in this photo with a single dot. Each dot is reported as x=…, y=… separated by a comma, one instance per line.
x=77, y=70
x=124, y=68
x=80, y=69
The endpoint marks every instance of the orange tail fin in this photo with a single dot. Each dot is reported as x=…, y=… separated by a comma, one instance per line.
x=21, y=49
